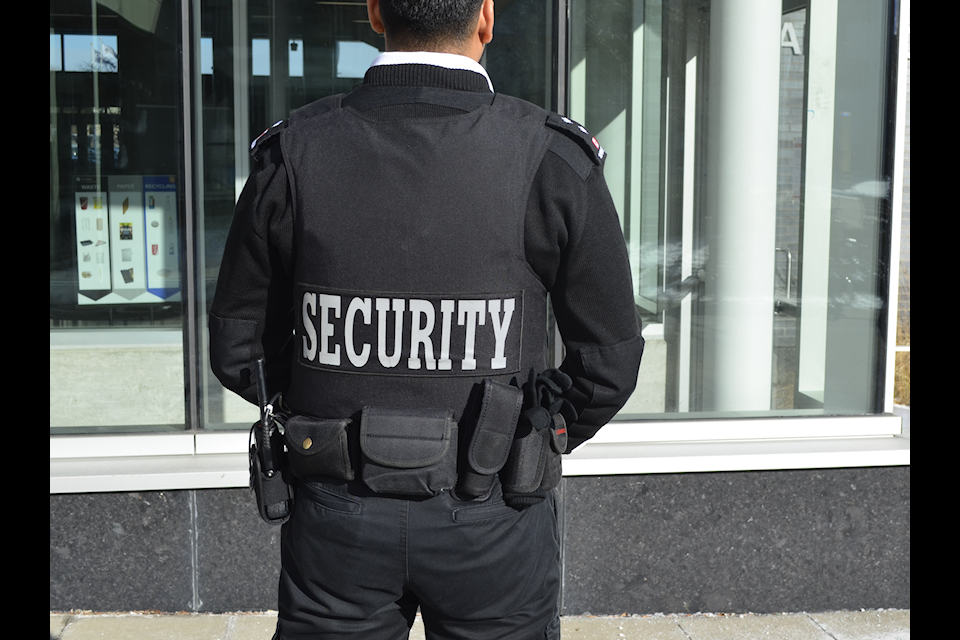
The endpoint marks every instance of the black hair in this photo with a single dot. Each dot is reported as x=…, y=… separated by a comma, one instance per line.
x=420, y=24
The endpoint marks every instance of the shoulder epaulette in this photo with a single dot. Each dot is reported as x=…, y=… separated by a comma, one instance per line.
x=578, y=134
x=268, y=134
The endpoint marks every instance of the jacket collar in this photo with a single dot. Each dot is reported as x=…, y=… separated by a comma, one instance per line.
x=431, y=58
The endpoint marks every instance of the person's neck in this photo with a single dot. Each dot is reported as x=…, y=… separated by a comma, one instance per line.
x=454, y=48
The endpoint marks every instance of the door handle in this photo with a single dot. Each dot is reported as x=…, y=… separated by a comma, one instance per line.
x=672, y=296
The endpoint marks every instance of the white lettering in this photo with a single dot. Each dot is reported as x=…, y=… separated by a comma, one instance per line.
x=788, y=38
x=357, y=304
x=470, y=311
x=446, y=313
x=328, y=303
x=500, y=330
x=428, y=334
x=309, y=349
x=389, y=361
x=421, y=335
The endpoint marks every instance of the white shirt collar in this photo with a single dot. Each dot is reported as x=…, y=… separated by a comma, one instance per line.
x=446, y=60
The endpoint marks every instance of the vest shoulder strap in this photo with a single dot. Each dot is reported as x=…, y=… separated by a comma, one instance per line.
x=264, y=149
x=585, y=155
x=264, y=140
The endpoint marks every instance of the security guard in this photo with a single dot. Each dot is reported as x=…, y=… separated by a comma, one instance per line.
x=390, y=259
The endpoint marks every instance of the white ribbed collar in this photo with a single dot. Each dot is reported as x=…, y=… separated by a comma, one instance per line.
x=445, y=60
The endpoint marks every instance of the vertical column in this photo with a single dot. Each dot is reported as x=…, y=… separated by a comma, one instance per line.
x=278, y=101
x=817, y=196
x=578, y=62
x=241, y=96
x=741, y=216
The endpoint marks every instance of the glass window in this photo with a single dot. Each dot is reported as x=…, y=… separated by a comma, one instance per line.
x=747, y=148
x=747, y=156
x=326, y=49
x=116, y=218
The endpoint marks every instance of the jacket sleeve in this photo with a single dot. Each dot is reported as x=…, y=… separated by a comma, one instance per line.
x=252, y=311
x=575, y=244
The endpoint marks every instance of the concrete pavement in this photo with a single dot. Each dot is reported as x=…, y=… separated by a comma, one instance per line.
x=879, y=624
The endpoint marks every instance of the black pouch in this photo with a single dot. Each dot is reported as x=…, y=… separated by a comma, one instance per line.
x=491, y=439
x=274, y=493
x=408, y=452
x=523, y=472
x=553, y=465
x=541, y=439
x=319, y=447
x=535, y=460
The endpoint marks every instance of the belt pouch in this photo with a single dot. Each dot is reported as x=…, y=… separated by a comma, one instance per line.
x=318, y=447
x=274, y=494
x=408, y=452
x=535, y=459
x=491, y=440
x=553, y=465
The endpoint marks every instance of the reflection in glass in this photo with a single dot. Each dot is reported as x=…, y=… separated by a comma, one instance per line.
x=88, y=53
x=746, y=158
x=116, y=199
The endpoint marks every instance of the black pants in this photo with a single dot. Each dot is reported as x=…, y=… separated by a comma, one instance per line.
x=357, y=565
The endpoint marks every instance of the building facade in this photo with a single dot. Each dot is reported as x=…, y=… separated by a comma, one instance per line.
x=758, y=159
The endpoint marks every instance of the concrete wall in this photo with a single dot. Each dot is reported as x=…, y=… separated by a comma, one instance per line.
x=763, y=541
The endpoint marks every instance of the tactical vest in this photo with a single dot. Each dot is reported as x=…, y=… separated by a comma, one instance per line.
x=411, y=280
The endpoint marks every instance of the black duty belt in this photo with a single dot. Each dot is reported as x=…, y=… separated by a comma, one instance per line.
x=518, y=434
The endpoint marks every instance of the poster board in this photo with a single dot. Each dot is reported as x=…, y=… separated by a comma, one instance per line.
x=127, y=240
